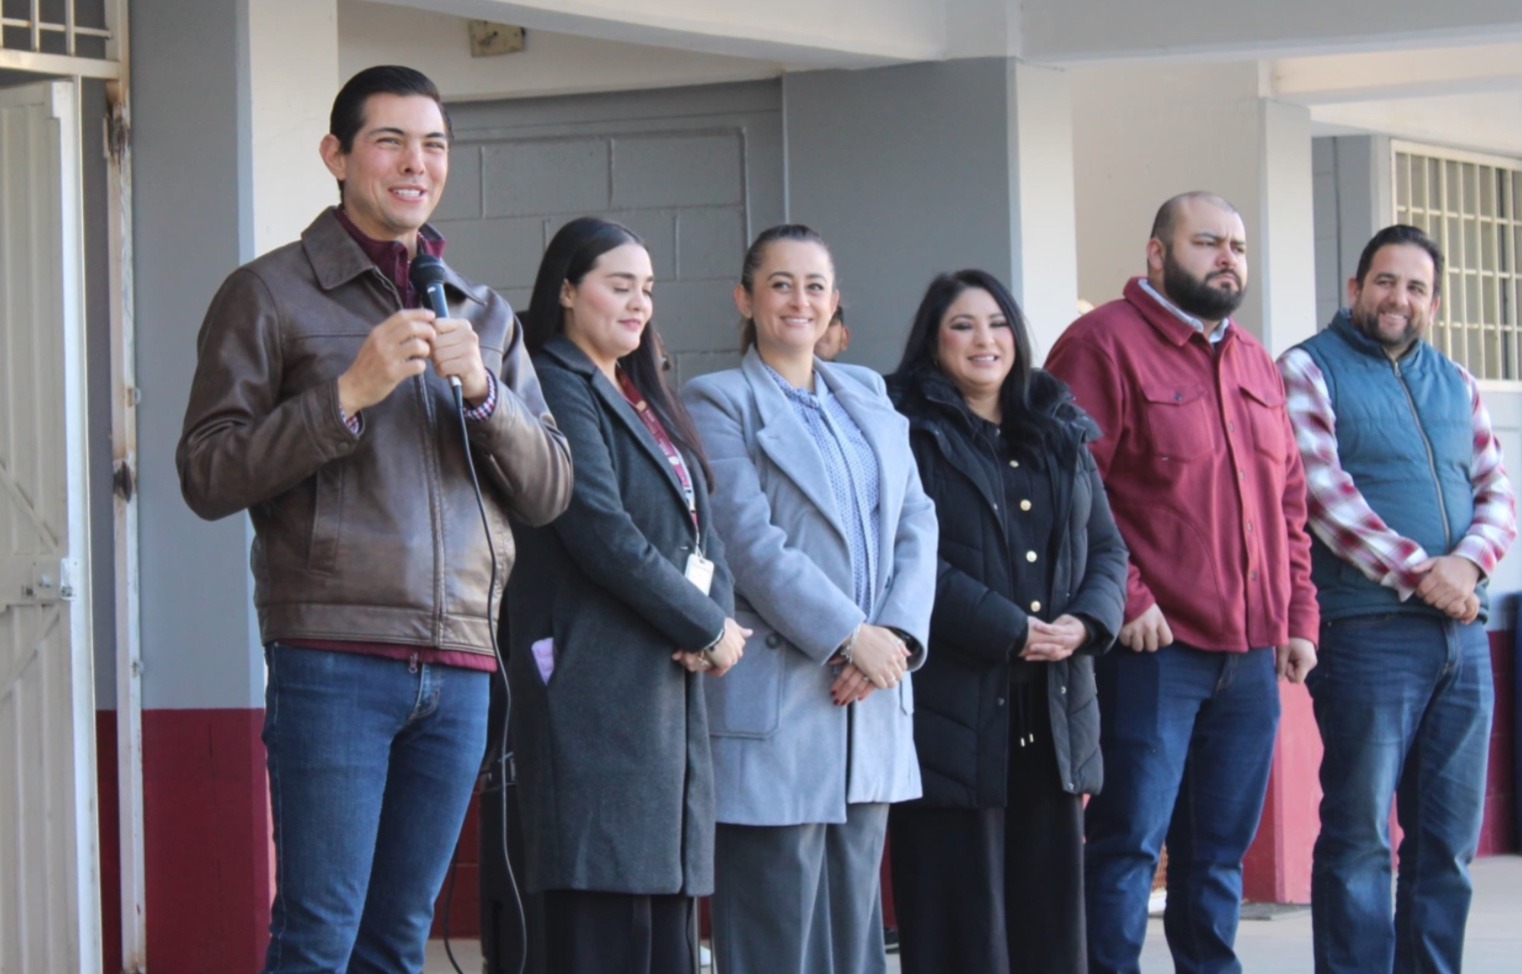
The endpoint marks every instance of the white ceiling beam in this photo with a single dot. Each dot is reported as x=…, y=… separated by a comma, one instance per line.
x=797, y=33
x=1077, y=31
x=1397, y=74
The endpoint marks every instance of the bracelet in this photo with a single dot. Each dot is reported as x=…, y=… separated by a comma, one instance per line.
x=847, y=649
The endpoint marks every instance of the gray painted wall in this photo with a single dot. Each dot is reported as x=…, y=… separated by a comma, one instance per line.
x=199, y=647
x=905, y=171
x=696, y=172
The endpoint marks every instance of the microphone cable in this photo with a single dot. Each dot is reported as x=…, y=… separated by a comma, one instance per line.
x=504, y=758
x=427, y=275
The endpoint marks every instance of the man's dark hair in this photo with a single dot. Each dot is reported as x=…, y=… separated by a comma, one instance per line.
x=348, y=115
x=1403, y=234
x=1167, y=214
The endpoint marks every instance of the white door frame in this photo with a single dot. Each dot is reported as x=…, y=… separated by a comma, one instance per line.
x=124, y=461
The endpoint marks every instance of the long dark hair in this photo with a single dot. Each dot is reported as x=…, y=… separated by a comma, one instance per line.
x=574, y=251
x=1026, y=427
x=757, y=253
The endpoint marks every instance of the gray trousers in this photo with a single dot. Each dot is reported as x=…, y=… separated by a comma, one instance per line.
x=800, y=899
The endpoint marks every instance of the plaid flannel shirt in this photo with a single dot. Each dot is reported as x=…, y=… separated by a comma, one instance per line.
x=1343, y=520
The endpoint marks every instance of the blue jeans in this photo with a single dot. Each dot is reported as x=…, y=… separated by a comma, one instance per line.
x=1187, y=738
x=1404, y=705
x=371, y=766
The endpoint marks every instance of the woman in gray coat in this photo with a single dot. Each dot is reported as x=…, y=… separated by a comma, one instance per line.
x=832, y=543
x=619, y=610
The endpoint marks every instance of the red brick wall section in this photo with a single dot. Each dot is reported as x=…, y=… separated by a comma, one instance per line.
x=1277, y=868
x=110, y=841
x=207, y=840
x=1498, y=832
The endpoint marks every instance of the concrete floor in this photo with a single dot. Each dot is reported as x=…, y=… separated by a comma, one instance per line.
x=1278, y=946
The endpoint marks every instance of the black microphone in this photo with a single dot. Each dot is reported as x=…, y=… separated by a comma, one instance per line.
x=427, y=276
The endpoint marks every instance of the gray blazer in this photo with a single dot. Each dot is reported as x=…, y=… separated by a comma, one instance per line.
x=779, y=743
x=613, y=753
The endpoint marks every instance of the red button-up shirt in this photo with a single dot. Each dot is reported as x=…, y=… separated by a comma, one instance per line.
x=1200, y=464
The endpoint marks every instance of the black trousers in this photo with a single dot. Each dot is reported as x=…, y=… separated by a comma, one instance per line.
x=619, y=933
x=997, y=890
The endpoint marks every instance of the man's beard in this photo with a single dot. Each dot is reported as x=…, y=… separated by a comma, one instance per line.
x=1367, y=322
x=1197, y=297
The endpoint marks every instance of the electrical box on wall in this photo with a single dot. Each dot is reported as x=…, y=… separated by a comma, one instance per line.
x=488, y=39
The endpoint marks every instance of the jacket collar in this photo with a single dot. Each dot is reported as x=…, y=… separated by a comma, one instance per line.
x=785, y=440
x=1049, y=396
x=337, y=258
x=569, y=355
x=1165, y=322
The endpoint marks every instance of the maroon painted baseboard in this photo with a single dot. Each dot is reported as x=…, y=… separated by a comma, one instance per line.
x=210, y=869
x=1498, y=831
x=207, y=840
x=110, y=841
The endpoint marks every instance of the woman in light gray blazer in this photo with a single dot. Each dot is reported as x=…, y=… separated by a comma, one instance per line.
x=617, y=612
x=832, y=543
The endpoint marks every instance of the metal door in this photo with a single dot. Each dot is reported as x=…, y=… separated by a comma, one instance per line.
x=49, y=858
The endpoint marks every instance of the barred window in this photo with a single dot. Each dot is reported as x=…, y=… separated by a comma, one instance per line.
x=1472, y=206
x=61, y=36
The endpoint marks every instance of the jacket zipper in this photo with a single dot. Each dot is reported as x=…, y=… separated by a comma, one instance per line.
x=1437, y=484
x=434, y=480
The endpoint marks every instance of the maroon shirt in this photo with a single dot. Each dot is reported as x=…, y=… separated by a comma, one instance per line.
x=1200, y=464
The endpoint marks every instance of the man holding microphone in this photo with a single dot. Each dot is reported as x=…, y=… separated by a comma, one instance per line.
x=321, y=405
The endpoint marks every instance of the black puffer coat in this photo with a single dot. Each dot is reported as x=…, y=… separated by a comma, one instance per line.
x=962, y=713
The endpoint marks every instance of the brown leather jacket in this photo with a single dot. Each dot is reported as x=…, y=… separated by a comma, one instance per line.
x=373, y=537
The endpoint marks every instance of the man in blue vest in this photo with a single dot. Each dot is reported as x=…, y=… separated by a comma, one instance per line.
x=1410, y=511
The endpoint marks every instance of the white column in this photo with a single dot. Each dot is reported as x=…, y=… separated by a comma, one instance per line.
x=1286, y=264
x=1043, y=238
x=290, y=83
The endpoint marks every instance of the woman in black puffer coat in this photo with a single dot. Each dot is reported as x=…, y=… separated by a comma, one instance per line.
x=988, y=865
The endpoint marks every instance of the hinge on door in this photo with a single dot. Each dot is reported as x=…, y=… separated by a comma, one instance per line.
x=118, y=123
x=123, y=481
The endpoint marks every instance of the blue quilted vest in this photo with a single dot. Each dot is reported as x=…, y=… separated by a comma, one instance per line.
x=1405, y=436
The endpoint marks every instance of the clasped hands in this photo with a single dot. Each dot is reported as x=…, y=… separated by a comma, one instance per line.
x=879, y=659
x=1448, y=584
x=1047, y=642
x=719, y=658
x=401, y=347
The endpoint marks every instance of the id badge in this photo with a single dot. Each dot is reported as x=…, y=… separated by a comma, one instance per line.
x=700, y=572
